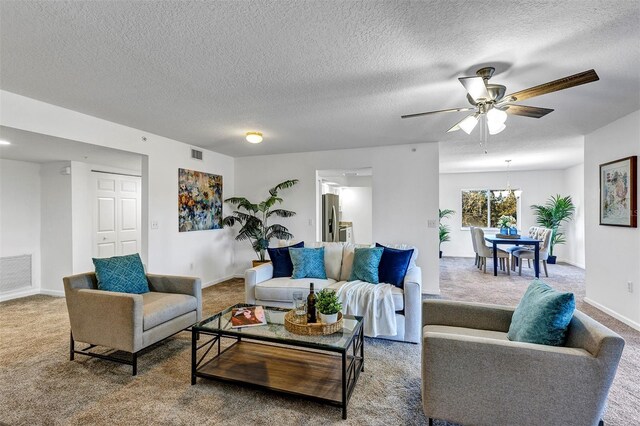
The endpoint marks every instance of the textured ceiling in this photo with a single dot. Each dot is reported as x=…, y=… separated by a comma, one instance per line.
x=317, y=75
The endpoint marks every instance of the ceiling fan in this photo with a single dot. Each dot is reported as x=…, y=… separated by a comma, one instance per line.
x=489, y=100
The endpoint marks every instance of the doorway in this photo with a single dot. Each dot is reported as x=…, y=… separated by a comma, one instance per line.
x=345, y=205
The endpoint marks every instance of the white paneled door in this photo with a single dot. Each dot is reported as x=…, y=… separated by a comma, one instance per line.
x=116, y=215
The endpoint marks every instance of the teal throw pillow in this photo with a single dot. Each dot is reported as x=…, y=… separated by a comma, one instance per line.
x=542, y=316
x=365, y=264
x=124, y=274
x=308, y=263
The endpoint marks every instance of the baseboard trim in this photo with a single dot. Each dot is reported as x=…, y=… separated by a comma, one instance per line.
x=613, y=313
x=19, y=294
x=218, y=281
x=568, y=262
x=56, y=293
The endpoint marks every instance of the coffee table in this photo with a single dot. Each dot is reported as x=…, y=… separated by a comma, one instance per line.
x=320, y=368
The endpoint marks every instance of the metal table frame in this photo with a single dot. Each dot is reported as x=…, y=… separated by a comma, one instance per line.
x=495, y=241
x=352, y=363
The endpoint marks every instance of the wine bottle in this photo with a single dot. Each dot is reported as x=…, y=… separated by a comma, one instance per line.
x=311, y=306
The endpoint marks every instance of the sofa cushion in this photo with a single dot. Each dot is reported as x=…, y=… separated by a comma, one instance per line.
x=308, y=263
x=281, y=289
x=281, y=260
x=332, y=259
x=347, y=259
x=463, y=331
x=365, y=264
x=159, y=307
x=542, y=316
x=122, y=274
x=396, y=292
x=393, y=265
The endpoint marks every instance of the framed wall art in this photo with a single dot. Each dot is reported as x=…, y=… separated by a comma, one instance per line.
x=618, y=183
x=199, y=201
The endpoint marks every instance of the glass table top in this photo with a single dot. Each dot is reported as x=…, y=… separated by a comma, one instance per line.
x=275, y=331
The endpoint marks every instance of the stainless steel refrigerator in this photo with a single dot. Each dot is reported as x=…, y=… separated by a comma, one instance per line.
x=330, y=219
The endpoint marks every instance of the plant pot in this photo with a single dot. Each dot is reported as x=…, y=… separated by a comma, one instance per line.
x=440, y=254
x=328, y=318
x=259, y=262
x=551, y=260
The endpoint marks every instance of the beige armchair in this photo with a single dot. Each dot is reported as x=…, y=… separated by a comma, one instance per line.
x=473, y=375
x=129, y=322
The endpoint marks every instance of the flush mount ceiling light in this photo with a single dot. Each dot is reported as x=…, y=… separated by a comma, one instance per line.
x=3, y=142
x=254, y=137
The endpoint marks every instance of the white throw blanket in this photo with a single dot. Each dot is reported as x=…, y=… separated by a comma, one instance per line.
x=374, y=302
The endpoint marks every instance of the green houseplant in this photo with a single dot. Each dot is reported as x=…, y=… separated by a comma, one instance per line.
x=254, y=219
x=328, y=305
x=551, y=215
x=443, y=230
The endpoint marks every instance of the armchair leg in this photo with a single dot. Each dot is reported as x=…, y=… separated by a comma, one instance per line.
x=134, y=363
x=71, y=346
x=520, y=267
x=430, y=421
x=601, y=422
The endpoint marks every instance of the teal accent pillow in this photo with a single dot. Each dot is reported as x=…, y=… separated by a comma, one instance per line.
x=365, y=264
x=542, y=316
x=123, y=274
x=308, y=263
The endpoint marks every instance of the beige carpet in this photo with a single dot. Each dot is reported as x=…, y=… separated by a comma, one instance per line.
x=38, y=385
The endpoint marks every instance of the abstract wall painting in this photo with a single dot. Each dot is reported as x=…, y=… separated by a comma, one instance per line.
x=618, y=187
x=199, y=201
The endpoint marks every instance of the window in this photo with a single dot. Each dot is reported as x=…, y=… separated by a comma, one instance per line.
x=483, y=207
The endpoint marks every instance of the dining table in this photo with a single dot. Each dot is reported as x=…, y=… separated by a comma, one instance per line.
x=496, y=240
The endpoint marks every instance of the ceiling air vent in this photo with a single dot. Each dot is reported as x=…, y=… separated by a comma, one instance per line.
x=195, y=154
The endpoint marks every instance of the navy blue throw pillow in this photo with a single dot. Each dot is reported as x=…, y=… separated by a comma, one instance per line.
x=281, y=259
x=393, y=265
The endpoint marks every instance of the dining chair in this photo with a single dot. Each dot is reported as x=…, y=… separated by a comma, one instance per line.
x=485, y=252
x=473, y=242
x=543, y=234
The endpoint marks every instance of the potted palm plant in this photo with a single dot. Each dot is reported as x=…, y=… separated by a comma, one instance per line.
x=443, y=229
x=254, y=220
x=328, y=305
x=551, y=215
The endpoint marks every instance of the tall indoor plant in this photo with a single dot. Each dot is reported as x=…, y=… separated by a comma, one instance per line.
x=254, y=219
x=551, y=215
x=443, y=229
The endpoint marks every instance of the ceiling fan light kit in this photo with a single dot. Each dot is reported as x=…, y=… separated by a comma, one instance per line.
x=489, y=101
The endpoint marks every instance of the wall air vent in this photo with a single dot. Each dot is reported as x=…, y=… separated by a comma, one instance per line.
x=15, y=273
x=195, y=154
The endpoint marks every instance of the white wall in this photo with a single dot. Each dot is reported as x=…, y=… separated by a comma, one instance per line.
x=573, y=251
x=20, y=213
x=536, y=186
x=167, y=251
x=56, y=235
x=612, y=252
x=405, y=195
x=356, y=203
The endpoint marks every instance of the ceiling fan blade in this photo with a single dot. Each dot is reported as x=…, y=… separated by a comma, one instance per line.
x=475, y=87
x=434, y=112
x=553, y=86
x=527, y=111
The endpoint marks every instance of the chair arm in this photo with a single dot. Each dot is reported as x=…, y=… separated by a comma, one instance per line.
x=412, y=304
x=178, y=285
x=470, y=377
x=466, y=314
x=106, y=318
x=253, y=276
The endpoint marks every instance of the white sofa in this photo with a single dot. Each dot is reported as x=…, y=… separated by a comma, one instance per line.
x=262, y=289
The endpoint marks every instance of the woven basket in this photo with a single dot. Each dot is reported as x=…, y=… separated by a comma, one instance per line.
x=298, y=325
x=508, y=236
